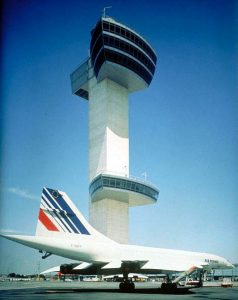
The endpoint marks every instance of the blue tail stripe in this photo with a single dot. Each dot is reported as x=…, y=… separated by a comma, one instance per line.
x=79, y=225
x=56, y=206
x=75, y=220
x=52, y=202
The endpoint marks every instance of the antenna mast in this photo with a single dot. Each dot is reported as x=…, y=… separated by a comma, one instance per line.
x=104, y=11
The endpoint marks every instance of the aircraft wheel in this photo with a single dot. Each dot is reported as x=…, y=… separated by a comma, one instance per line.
x=163, y=286
x=127, y=286
x=174, y=286
x=200, y=284
x=132, y=286
x=121, y=286
x=169, y=287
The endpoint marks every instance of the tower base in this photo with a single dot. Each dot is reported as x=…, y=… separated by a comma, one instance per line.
x=110, y=217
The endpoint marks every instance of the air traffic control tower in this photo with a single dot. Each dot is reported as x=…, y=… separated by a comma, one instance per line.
x=120, y=62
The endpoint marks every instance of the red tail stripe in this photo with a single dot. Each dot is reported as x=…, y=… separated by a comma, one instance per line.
x=46, y=221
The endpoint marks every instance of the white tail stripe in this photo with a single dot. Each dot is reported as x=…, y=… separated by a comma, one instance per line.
x=70, y=226
x=61, y=201
x=57, y=209
x=70, y=217
x=54, y=215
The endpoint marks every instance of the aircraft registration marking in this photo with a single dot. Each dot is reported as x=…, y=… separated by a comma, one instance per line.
x=76, y=246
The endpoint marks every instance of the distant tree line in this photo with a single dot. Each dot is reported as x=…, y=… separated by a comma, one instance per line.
x=14, y=275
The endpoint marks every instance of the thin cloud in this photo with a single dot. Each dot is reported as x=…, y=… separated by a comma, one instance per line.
x=22, y=193
x=11, y=231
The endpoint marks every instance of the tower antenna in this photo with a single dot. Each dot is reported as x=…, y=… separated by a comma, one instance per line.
x=104, y=11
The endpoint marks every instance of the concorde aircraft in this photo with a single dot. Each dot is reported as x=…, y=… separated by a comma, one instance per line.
x=63, y=231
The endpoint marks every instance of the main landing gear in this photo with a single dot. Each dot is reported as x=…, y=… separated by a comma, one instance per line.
x=168, y=285
x=126, y=285
x=46, y=254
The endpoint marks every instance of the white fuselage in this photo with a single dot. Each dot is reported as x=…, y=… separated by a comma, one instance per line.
x=92, y=250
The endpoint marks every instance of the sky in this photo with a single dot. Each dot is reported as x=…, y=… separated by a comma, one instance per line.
x=183, y=129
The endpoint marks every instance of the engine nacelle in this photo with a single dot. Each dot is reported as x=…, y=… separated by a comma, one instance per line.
x=68, y=268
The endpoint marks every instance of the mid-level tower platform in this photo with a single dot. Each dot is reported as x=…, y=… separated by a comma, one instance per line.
x=131, y=190
x=121, y=61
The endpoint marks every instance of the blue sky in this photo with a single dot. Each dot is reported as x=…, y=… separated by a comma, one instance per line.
x=183, y=129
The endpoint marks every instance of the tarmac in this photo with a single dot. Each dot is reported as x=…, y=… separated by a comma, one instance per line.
x=54, y=290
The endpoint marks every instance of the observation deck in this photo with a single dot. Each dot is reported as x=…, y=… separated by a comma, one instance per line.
x=122, y=55
x=125, y=189
x=118, y=53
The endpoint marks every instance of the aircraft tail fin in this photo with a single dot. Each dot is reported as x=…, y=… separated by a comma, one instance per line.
x=59, y=215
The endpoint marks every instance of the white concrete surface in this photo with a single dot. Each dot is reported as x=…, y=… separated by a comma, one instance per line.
x=108, y=152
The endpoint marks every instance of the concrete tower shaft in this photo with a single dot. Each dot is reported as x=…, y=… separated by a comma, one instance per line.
x=108, y=128
x=120, y=62
x=108, y=152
